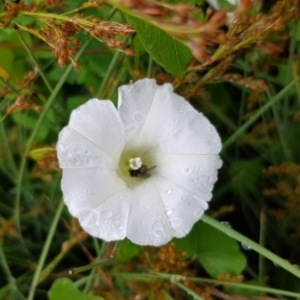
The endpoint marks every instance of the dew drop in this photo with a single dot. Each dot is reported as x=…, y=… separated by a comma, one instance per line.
x=76, y=161
x=130, y=129
x=210, y=180
x=211, y=129
x=77, y=150
x=106, y=214
x=227, y=224
x=169, y=212
x=103, y=103
x=86, y=152
x=60, y=147
x=169, y=192
x=139, y=117
x=246, y=247
x=69, y=155
x=158, y=232
x=187, y=170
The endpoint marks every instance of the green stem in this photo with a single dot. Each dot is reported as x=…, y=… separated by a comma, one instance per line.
x=5, y=145
x=35, y=132
x=9, y=86
x=45, y=252
x=256, y=247
x=108, y=74
x=90, y=266
x=34, y=61
x=255, y=116
x=186, y=289
x=150, y=67
x=7, y=272
x=175, y=277
x=261, y=260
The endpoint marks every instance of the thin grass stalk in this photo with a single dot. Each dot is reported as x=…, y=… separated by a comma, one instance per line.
x=256, y=115
x=254, y=246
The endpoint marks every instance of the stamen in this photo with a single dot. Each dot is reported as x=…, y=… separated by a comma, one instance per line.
x=135, y=163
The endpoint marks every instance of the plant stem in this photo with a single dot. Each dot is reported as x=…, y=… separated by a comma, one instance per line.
x=175, y=278
x=256, y=247
x=45, y=252
x=108, y=74
x=255, y=116
x=30, y=53
x=261, y=260
x=35, y=132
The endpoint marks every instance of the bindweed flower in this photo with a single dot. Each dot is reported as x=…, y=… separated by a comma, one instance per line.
x=144, y=171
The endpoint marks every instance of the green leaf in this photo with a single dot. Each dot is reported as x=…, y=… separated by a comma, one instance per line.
x=26, y=121
x=127, y=250
x=64, y=288
x=166, y=51
x=218, y=253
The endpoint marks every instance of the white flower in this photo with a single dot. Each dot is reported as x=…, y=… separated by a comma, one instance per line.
x=144, y=171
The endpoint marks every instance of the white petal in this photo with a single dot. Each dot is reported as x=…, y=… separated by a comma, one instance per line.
x=109, y=220
x=99, y=121
x=76, y=151
x=151, y=113
x=198, y=136
x=148, y=223
x=86, y=189
x=182, y=208
x=194, y=173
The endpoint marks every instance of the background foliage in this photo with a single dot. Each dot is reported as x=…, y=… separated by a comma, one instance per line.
x=242, y=73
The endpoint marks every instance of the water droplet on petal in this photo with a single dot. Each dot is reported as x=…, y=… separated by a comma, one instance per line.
x=86, y=152
x=130, y=129
x=158, y=232
x=103, y=103
x=69, y=155
x=139, y=117
x=76, y=161
x=77, y=150
x=169, y=192
x=106, y=214
x=187, y=170
x=211, y=129
x=60, y=147
x=169, y=212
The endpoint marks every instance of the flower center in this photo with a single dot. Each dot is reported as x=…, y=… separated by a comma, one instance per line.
x=135, y=163
x=134, y=166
